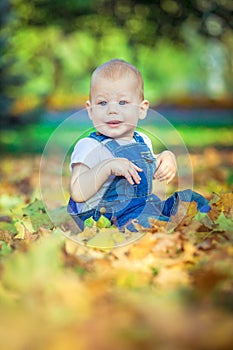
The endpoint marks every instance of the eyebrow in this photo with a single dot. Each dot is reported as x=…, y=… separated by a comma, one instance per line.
x=100, y=97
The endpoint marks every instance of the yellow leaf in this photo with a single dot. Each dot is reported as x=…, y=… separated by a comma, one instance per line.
x=172, y=277
x=103, y=222
x=192, y=209
x=226, y=203
x=143, y=247
x=107, y=238
x=71, y=247
x=20, y=229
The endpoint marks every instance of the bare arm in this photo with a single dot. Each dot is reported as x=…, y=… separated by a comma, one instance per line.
x=85, y=182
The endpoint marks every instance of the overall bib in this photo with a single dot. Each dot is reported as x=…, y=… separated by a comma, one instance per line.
x=123, y=202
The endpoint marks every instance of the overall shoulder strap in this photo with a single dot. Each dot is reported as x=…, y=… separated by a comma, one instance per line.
x=138, y=138
x=111, y=144
x=141, y=141
x=97, y=136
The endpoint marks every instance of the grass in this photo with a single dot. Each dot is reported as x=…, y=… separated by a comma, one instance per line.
x=33, y=138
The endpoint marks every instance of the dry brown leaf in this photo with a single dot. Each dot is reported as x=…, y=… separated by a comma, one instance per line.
x=172, y=277
x=142, y=247
x=225, y=204
x=214, y=212
x=168, y=244
x=206, y=244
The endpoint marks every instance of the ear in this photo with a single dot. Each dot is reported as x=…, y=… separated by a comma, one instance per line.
x=143, y=108
x=89, y=109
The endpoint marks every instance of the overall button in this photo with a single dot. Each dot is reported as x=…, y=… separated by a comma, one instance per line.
x=102, y=210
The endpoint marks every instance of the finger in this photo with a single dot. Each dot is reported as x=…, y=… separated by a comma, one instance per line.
x=158, y=162
x=170, y=178
x=167, y=176
x=129, y=178
x=160, y=167
x=136, y=167
x=132, y=176
x=162, y=173
x=135, y=176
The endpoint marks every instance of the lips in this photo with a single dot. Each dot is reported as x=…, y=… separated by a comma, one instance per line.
x=113, y=123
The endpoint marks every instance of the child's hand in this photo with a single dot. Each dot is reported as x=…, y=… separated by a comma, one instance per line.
x=166, y=167
x=123, y=167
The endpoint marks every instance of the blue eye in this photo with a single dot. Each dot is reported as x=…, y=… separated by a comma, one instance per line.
x=102, y=103
x=122, y=103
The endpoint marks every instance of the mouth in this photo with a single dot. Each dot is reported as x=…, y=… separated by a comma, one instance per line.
x=113, y=123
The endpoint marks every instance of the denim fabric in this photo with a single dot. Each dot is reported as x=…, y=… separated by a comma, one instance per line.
x=123, y=202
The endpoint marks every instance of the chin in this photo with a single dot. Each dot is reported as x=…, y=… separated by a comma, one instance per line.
x=109, y=133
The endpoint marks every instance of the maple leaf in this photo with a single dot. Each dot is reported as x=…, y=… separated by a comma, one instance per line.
x=103, y=222
x=224, y=224
x=226, y=204
x=204, y=219
x=214, y=212
x=59, y=216
x=89, y=222
x=38, y=215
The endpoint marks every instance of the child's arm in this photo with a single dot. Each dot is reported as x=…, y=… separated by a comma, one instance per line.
x=85, y=182
x=165, y=166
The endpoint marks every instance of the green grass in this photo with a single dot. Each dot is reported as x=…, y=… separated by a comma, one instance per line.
x=33, y=138
x=194, y=137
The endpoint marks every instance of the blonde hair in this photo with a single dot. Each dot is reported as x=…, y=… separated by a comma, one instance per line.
x=116, y=68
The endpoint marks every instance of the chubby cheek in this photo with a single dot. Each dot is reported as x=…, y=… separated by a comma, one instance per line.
x=97, y=117
x=134, y=111
x=99, y=125
x=133, y=116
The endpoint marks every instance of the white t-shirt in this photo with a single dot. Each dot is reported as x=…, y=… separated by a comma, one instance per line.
x=91, y=152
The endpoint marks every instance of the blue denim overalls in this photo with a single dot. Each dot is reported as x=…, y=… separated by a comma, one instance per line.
x=123, y=202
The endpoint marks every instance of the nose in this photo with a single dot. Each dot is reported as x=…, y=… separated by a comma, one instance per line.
x=112, y=108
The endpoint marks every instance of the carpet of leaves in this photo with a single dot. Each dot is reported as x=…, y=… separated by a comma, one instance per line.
x=170, y=290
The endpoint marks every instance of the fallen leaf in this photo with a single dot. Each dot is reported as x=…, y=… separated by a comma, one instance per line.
x=224, y=224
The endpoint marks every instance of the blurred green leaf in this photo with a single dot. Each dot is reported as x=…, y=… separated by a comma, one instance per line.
x=103, y=222
x=89, y=222
x=24, y=272
x=38, y=215
x=7, y=226
x=5, y=249
x=224, y=224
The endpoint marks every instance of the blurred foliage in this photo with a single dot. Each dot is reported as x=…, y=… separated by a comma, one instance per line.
x=33, y=138
x=49, y=49
x=10, y=81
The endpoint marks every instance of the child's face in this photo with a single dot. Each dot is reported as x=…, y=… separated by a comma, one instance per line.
x=116, y=107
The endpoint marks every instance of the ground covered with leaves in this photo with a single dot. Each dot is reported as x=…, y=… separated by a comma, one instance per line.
x=170, y=290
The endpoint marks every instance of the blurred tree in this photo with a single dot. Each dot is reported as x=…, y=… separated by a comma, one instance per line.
x=9, y=80
x=141, y=19
x=57, y=43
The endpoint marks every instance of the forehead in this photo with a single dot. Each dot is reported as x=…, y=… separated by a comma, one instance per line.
x=124, y=85
x=99, y=82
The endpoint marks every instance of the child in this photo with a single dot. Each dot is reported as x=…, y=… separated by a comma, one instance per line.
x=113, y=168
